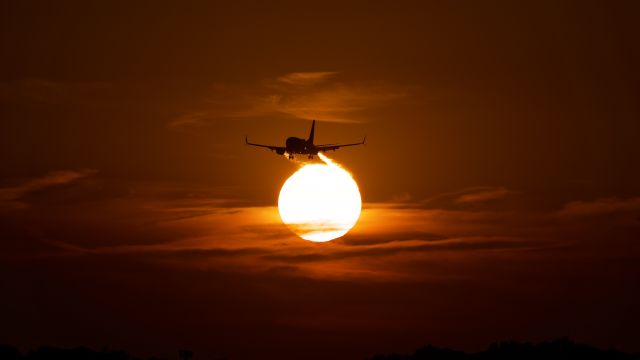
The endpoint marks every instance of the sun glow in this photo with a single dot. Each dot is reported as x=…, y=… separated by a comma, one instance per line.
x=320, y=202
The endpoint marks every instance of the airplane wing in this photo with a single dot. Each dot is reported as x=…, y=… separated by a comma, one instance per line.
x=278, y=149
x=329, y=147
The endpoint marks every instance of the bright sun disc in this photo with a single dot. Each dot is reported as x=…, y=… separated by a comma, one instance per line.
x=320, y=202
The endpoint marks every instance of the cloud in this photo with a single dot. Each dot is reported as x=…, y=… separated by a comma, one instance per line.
x=478, y=195
x=301, y=95
x=360, y=239
x=599, y=207
x=165, y=224
x=484, y=194
x=9, y=196
x=198, y=118
x=415, y=246
x=233, y=238
x=339, y=102
x=305, y=78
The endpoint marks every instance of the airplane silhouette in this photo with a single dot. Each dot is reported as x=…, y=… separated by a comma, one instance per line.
x=295, y=145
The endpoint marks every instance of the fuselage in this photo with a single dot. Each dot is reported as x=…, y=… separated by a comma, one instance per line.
x=296, y=145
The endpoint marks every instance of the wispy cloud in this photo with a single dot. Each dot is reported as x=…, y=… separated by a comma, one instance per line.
x=253, y=239
x=478, y=195
x=193, y=119
x=305, y=78
x=302, y=95
x=340, y=102
x=389, y=243
x=599, y=207
x=10, y=196
x=484, y=194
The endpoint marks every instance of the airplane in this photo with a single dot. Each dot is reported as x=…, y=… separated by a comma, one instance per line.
x=295, y=145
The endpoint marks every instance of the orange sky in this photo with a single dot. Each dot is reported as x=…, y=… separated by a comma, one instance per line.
x=500, y=181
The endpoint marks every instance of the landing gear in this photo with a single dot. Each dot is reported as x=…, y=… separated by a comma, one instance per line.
x=290, y=157
x=310, y=157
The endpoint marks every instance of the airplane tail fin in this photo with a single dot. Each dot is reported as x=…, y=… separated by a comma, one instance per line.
x=313, y=126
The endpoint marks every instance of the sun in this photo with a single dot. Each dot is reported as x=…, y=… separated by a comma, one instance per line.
x=320, y=202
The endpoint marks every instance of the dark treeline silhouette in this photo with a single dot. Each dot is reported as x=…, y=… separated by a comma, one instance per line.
x=562, y=348
x=53, y=353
